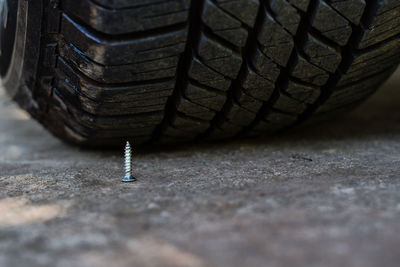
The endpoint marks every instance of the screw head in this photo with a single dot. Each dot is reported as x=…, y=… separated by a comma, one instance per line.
x=128, y=179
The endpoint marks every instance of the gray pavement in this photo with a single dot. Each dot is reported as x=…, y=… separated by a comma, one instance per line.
x=322, y=196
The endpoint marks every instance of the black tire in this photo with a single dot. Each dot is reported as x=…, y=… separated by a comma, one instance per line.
x=104, y=71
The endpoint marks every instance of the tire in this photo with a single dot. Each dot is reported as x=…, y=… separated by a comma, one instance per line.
x=99, y=72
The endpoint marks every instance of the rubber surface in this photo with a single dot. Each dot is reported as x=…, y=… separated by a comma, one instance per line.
x=156, y=71
x=8, y=14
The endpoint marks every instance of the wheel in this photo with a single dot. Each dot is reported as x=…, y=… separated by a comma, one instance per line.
x=100, y=72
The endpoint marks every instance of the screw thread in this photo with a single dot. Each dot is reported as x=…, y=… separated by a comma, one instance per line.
x=128, y=160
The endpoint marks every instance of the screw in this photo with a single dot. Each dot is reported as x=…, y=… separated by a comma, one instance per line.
x=128, y=164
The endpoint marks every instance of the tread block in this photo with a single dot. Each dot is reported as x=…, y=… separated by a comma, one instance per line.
x=276, y=42
x=308, y=72
x=244, y=10
x=135, y=106
x=204, y=97
x=265, y=66
x=385, y=25
x=336, y=28
x=74, y=136
x=150, y=70
x=109, y=51
x=351, y=9
x=46, y=84
x=257, y=86
x=286, y=15
x=59, y=100
x=322, y=55
x=122, y=122
x=240, y=116
x=121, y=17
x=223, y=24
x=303, y=93
x=88, y=121
x=273, y=122
x=218, y=57
x=131, y=109
x=76, y=131
x=300, y=4
x=289, y=105
x=194, y=110
x=189, y=124
x=104, y=93
x=204, y=75
x=248, y=102
x=50, y=56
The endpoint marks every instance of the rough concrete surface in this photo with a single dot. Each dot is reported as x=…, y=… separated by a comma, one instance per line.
x=322, y=196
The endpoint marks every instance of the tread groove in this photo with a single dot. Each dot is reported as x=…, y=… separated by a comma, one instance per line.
x=181, y=73
x=235, y=85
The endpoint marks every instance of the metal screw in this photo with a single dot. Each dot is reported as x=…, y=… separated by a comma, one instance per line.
x=128, y=164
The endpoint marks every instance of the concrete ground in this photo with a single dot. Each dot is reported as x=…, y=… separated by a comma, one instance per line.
x=323, y=196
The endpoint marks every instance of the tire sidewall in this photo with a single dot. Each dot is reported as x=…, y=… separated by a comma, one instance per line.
x=8, y=16
x=20, y=77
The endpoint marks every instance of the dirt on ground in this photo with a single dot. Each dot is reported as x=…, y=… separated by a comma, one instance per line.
x=327, y=195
